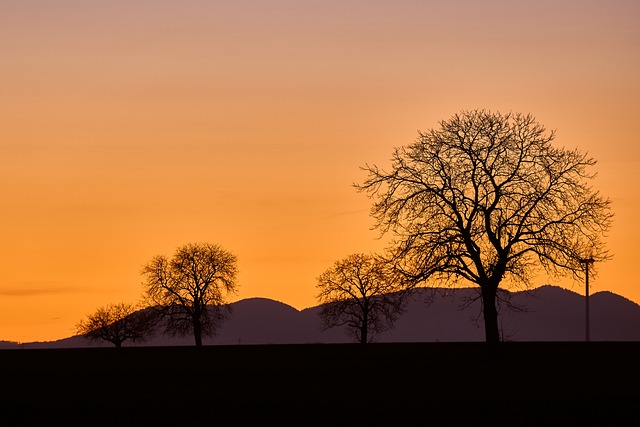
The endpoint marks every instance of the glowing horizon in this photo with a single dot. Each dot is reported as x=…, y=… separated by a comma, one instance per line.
x=129, y=129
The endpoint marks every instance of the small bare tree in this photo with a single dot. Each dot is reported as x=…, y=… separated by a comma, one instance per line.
x=361, y=293
x=117, y=323
x=189, y=289
x=487, y=197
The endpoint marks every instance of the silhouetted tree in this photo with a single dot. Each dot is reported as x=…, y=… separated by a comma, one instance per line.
x=361, y=293
x=189, y=289
x=117, y=323
x=486, y=197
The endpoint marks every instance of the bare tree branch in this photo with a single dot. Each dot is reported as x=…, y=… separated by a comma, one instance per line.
x=190, y=289
x=486, y=198
x=362, y=293
x=117, y=323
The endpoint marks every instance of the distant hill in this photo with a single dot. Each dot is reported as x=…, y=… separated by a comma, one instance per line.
x=549, y=313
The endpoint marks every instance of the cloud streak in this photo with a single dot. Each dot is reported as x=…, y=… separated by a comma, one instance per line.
x=33, y=289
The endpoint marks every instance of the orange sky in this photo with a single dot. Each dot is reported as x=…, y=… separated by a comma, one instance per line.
x=129, y=128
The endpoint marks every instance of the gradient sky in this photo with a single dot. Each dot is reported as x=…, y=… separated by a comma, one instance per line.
x=129, y=128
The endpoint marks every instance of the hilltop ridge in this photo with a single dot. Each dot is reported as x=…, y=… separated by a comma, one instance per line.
x=547, y=313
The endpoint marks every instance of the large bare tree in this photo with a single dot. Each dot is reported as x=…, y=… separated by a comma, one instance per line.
x=488, y=198
x=117, y=323
x=361, y=293
x=190, y=289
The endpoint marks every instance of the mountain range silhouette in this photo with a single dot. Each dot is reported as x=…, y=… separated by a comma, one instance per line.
x=547, y=313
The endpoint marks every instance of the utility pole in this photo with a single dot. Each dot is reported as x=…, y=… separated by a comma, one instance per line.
x=587, y=262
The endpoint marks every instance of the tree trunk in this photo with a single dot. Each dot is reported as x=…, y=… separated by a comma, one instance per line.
x=364, y=327
x=490, y=313
x=364, y=332
x=197, y=332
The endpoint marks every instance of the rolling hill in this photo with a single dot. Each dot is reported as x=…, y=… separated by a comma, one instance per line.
x=547, y=313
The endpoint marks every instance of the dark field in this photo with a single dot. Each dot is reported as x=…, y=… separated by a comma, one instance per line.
x=439, y=384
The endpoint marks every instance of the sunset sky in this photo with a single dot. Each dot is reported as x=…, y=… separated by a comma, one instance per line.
x=129, y=128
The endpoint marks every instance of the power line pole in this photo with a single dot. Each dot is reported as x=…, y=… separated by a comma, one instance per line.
x=587, y=262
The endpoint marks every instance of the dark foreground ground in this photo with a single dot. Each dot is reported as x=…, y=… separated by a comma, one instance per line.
x=430, y=384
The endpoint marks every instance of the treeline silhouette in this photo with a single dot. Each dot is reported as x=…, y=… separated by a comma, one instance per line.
x=548, y=313
x=485, y=198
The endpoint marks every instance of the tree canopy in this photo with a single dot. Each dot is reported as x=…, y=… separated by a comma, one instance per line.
x=487, y=197
x=361, y=293
x=117, y=323
x=190, y=289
